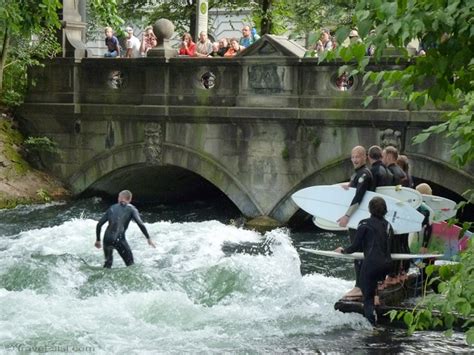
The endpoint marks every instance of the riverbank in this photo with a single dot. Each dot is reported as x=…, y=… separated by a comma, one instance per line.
x=20, y=183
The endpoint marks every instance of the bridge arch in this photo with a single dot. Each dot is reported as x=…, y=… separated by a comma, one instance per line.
x=332, y=173
x=425, y=168
x=126, y=156
x=441, y=173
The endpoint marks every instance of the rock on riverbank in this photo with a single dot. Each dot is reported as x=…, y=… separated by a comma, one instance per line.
x=19, y=182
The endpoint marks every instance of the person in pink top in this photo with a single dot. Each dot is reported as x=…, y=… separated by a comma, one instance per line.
x=188, y=47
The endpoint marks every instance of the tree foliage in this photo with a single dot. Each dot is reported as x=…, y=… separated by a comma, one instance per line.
x=453, y=306
x=444, y=76
x=101, y=14
x=298, y=17
x=20, y=20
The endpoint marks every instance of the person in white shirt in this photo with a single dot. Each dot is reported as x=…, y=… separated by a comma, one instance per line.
x=132, y=45
x=203, y=46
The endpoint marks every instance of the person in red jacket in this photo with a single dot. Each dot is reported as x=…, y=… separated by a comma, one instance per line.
x=188, y=47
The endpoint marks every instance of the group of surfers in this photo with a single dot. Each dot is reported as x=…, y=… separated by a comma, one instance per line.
x=374, y=235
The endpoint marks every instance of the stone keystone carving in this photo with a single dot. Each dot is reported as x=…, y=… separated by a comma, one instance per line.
x=153, y=148
x=390, y=137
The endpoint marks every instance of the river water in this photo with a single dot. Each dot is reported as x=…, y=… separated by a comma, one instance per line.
x=208, y=287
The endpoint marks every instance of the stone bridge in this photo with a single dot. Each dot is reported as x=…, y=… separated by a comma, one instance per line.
x=258, y=127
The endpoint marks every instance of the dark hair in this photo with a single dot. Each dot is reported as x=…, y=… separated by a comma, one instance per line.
x=403, y=163
x=392, y=151
x=378, y=207
x=375, y=152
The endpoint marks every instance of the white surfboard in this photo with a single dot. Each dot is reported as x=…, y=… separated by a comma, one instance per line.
x=443, y=208
x=327, y=225
x=360, y=256
x=332, y=202
x=401, y=193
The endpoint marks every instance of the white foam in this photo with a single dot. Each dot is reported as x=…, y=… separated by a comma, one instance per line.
x=183, y=295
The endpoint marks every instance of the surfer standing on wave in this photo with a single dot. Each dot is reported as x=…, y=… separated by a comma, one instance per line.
x=373, y=238
x=119, y=217
x=361, y=180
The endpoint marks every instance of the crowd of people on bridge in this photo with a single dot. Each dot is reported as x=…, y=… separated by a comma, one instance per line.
x=202, y=47
x=226, y=47
x=223, y=47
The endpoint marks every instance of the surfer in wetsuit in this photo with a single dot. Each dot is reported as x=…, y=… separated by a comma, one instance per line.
x=380, y=173
x=119, y=217
x=389, y=158
x=400, y=241
x=373, y=238
x=362, y=181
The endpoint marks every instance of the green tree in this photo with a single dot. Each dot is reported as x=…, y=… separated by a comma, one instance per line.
x=308, y=17
x=444, y=76
x=104, y=13
x=269, y=16
x=21, y=19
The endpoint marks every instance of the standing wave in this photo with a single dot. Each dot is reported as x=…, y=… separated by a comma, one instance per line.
x=185, y=295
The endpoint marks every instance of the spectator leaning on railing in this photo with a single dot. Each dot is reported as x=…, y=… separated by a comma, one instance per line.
x=203, y=46
x=132, y=44
x=223, y=46
x=324, y=43
x=149, y=40
x=234, y=49
x=248, y=37
x=112, y=43
x=188, y=47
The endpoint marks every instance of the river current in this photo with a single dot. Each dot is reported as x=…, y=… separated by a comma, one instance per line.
x=208, y=287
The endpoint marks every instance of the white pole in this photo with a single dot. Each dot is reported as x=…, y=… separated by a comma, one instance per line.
x=201, y=17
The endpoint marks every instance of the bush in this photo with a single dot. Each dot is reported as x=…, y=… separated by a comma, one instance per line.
x=40, y=145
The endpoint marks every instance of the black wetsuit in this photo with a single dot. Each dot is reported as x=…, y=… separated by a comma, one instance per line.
x=380, y=174
x=398, y=175
x=400, y=241
x=372, y=238
x=362, y=181
x=427, y=228
x=119, y=217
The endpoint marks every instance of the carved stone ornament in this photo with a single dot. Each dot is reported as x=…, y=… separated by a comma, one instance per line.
x=390, y=137
x=116, y=79
x=266, y=78
x=153, y=148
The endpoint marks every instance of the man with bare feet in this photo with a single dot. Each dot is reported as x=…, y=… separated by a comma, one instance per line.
x=362, y=181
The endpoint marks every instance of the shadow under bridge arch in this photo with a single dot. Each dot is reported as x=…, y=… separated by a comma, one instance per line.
x=333, y=173
x=182, y=175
